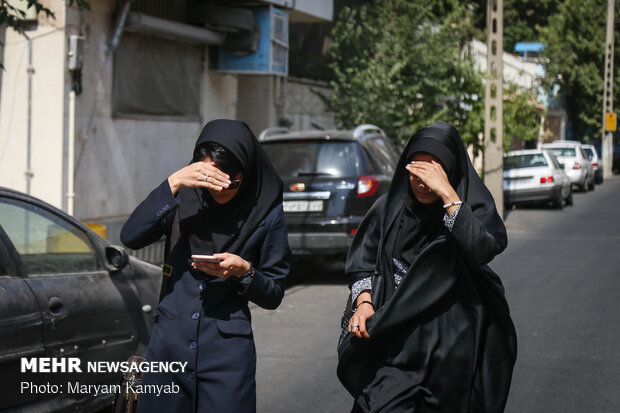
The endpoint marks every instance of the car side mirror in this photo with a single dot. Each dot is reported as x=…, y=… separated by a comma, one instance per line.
x=562, y=165
x=116, y=257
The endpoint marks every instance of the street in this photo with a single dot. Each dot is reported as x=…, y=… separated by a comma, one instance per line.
x=561, y=271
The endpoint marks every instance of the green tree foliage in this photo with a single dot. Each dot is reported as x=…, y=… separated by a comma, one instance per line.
x=403, y=65
x=398, y=64
x=575, y=39
x=13, y=17
x=521, y=116
x=522, y=20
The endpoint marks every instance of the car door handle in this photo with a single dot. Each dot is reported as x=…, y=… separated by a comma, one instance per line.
x=55, y=305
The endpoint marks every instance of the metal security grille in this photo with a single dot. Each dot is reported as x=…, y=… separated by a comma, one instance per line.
x=153, y=253
x=279, y=39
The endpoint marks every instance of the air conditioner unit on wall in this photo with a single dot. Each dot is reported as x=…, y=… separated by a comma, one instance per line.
x=271, y=55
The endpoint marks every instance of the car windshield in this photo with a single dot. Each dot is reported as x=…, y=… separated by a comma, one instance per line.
x=562, y=151
x=295, y=158
x=525, y=161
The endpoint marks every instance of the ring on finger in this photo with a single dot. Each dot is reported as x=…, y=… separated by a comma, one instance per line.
x=206, y=176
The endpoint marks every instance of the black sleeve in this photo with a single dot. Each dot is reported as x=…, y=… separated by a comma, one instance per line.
x=267, y=286
x=480, y=238
x=362, y=256
x=151, y=219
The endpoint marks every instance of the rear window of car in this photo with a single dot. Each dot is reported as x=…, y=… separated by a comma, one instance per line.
x=381, y=155
x=554, y=161
x=295, y=158
x=589, y=151
x=586, y=154
x=562, y=151
x=525, y=161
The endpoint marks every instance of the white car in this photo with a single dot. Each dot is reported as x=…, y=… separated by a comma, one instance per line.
x=576, y=162
x=535, y=176
x=595, y=159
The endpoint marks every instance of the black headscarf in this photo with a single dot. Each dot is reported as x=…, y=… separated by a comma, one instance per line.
x=423, y=222
x=208, y=227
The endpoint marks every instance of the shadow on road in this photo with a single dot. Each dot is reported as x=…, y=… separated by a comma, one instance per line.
x=316, y=271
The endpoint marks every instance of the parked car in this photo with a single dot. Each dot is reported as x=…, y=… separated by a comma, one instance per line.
x=66, y=292
x=576, y=163
x=331, y=178
x=532, y=176
x=595, y=160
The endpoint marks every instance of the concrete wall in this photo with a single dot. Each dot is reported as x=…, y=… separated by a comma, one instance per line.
x=304, y=108
x=47, y=124
x=256, y=105
x=516, y=69
x=118, y=161
x=267, y=101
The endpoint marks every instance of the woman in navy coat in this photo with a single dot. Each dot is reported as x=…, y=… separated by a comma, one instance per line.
x=226, y=203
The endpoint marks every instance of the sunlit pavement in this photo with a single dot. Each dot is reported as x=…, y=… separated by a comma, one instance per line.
x=561, y=271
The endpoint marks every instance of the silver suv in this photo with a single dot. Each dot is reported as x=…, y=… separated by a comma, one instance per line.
x=576, y=162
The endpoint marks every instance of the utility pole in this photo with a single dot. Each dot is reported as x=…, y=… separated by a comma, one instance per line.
x=492, y=164
x=607, y=147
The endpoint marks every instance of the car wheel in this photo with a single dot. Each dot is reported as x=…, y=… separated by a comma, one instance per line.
x=591, y=185
x=558, y=203
x=569, y=198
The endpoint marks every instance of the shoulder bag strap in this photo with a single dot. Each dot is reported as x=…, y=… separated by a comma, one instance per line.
x=171, y=242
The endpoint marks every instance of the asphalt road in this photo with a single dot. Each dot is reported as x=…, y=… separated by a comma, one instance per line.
x=561, y=271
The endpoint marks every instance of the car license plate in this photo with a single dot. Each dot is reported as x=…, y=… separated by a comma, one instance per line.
x=302, y=206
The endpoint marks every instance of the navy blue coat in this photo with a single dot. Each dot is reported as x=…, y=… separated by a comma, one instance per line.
x=205, y=321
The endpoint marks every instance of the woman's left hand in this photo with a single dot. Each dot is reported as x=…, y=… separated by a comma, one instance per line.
x=230, y=265
x=434, y=177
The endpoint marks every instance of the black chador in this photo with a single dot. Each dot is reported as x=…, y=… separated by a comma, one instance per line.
x=442, y=340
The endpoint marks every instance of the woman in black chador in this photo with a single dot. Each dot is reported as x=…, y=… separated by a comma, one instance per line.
x=432, y=330
x=226, y=203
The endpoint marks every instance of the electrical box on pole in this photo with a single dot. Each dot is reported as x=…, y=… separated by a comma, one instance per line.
x=607, y=146
x=611, y=122
x=492, y=165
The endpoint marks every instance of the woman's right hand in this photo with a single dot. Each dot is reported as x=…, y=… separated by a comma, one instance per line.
x=357, y=324
x=193, y=176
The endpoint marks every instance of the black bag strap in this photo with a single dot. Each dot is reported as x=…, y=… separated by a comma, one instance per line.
x=171, y=242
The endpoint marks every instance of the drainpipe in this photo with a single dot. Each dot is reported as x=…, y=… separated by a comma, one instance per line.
x=71, y=154
x=75, y=59
x=30, y=71
x=120, y=24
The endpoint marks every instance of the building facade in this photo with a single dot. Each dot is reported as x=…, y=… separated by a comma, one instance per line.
x=120, y=92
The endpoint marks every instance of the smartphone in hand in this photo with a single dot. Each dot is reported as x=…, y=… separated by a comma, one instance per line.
x=207, y=258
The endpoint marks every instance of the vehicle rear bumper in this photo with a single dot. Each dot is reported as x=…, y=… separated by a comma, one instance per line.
x=319, y=243
x=533, y=194
x=577, y=176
